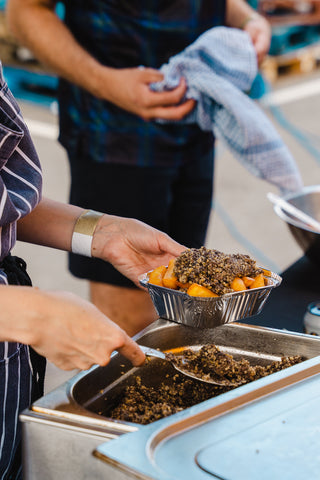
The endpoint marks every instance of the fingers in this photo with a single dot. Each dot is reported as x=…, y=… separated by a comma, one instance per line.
x=166, y=105
x=123, y=344
x=168, y=98
x=260, y=33
x=261, y=48
x=113, y=339
x=150, y=75
x=101, y=356
x=77, y=334
x=132, y=351
x=168, y=246
x=137, y=97
x=174, y=113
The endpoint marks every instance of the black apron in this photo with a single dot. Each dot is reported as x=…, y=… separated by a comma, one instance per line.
x=15, y=372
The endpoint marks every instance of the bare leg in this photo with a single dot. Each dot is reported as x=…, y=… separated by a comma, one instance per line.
x=131, y=308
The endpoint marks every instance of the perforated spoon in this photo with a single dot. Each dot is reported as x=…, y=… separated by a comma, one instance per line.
x=151, y=352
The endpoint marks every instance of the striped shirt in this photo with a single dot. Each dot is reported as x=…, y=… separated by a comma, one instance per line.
x=124, y=34
x=20, y=191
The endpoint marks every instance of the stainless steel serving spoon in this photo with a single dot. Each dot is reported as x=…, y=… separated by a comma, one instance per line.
x=151, y=352
x=296, y=212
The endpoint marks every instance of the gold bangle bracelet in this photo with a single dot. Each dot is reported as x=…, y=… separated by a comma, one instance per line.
x=83, y=232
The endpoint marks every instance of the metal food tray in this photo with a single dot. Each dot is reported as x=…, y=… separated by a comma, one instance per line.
x=209, y=312
x=64, y=427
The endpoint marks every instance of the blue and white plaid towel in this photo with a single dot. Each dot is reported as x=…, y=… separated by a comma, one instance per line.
x=219, y=66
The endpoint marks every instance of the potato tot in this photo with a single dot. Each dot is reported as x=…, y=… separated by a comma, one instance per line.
x=184, y=286
x=196, y=290
x=248, y=281
x=156, y=276
x=258, y=281
x=169, y=279
x=238, y=284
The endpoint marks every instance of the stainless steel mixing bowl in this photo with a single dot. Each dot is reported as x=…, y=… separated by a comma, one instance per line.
x=307, y=200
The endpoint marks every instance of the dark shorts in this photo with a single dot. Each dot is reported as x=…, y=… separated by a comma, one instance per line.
x=174, y=200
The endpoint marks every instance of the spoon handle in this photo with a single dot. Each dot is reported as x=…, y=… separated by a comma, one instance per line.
x=288, y=207
x=152, y=352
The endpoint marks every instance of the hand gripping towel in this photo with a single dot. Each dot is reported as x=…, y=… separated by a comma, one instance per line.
x=220, y=67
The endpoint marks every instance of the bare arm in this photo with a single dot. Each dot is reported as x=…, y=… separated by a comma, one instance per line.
x=50, y=224
x=130, y=245
x=241, y=15
x=238, y=11
x=69, y=331
x=35, y=24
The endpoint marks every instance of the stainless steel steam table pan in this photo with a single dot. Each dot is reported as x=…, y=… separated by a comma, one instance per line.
x=63, y=428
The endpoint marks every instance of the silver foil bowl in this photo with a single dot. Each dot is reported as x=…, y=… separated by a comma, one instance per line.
x=308, y=200
x=209, y=312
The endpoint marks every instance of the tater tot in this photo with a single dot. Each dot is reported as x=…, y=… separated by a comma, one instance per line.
x=238, y=284
x=156, y=276
x=169, y=279
x=196, y=290
x=248, y=281
x=258, y=281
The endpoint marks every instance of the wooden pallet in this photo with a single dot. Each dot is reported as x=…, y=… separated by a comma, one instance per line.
x=304, y=60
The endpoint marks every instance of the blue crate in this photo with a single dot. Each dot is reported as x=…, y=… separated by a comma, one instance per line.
x=253, y=3
x=32, y=87
x=314, y=33
x=59, y=8
x=289, y=38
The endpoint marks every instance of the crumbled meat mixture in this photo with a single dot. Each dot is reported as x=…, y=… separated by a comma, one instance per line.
x=210, y=363
x=144, y=404
x=213, y=269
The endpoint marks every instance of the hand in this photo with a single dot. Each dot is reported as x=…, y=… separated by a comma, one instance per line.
x=131, y=246
x=73, y=333
x=129, y=88
x=259, y=30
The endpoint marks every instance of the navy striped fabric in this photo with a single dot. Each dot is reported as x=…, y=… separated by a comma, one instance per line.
x=21, y=177
x=20, y=191
x=123, y=34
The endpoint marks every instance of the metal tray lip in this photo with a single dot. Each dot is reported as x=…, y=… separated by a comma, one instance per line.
x=149, y=437
x=256, y=386
x=274, y=277
x=223, y=396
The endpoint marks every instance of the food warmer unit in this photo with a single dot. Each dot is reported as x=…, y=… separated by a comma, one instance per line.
x=267, y=429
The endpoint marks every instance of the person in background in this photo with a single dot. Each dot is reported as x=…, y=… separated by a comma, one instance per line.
x=107, y=53
x=34, y=324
